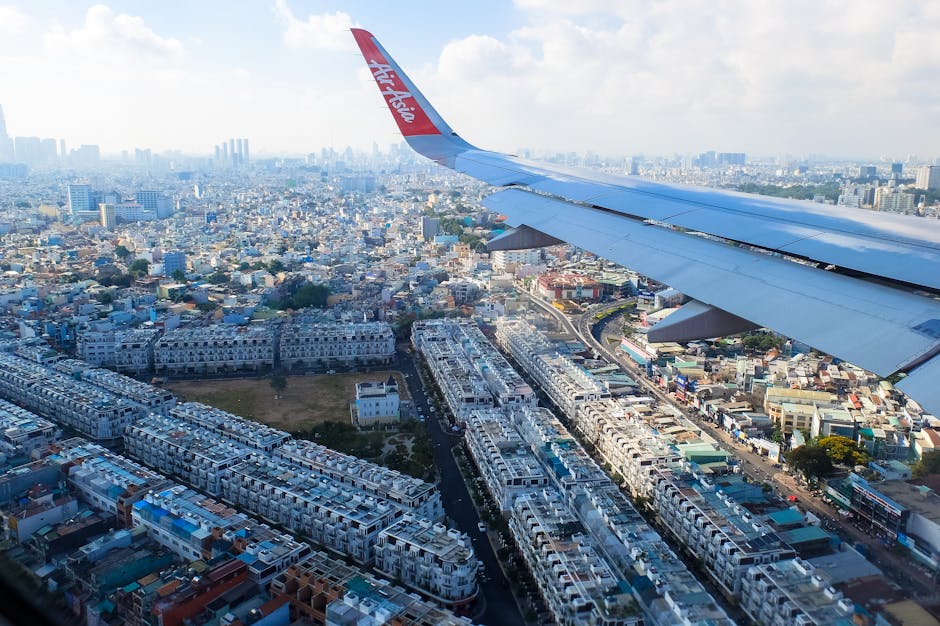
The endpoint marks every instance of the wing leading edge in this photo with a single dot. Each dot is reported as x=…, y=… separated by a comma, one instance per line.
x=884, y=326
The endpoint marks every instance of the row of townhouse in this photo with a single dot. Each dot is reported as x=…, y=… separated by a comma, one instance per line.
x=631, y=547
x=128, y=351
x=471, y=373
x=22, y=431
x=198, y=456
x=567, y=385
x=215, y=349
x=463, y=388
x=715, y=529
x=341, y=502
x=617, y=533
x=196, y=527
x=254, y=435
x=324, y=590
x=574, y=579
x=531, y=445
x=304, y=345
x=87, y=408
x=438, y=560
x=503, y=458
x=146, y=397
x=793, y=593
x=350, y=522
x=422, y=499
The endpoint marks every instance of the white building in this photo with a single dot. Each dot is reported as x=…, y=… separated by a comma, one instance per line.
x=21, y=431
x=306, y=345
x=220, y=348
x=793, y=593
x=415, y=496
x=377, y=403
x=430, y=557
x=230, y=427
x=133, y=350
x=198, y=456
x=195, y=527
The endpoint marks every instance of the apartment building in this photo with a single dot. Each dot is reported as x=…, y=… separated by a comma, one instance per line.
x=177, y=448
x=229, y=426
x=88, y=409
x=793, y=593
x=419, y=498
x=312, y=345
x=216, y=349
x=339, y=518
x=196, y=527
x=726, y=537
x=22, y=431
x=324, y=590
x=96, y=347
x=428, y=556
x=576, y=583
x=568, y=385
x=504, y=459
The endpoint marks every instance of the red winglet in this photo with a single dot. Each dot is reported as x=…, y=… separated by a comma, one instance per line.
x=408, y=114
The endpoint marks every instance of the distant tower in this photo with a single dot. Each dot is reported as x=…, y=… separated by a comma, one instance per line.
x=6, y=144
x=224, y=152
x=241, y=150
x=107, y=214
x=81, y=199
x=231, y=150
x=245, y=143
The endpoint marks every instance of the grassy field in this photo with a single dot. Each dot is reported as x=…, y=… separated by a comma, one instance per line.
x=306, y=401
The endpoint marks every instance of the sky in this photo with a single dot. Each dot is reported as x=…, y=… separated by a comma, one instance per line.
x=853, y=78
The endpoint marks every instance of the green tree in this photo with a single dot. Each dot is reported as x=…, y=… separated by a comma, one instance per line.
x=139, y=267
x=928, y=465
x=122, y=252
x=207, y=306
x=278, y=383
x=843, y=450
x=812, y=461
x=218, y=278
x=276, y=266
x=179, y=276
x=105, y=297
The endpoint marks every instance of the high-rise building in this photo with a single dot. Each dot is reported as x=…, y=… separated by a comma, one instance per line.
x=82, y=199
x=240, y=149
x=28, y=150
x=245, y=143
x=928, y=177
x=174, y=260
x=430, y=226
x=231, y=151
x=6, y=144
x=107, y=215
x=155, y=201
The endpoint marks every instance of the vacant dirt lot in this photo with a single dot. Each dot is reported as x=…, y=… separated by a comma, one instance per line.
x=305, y=401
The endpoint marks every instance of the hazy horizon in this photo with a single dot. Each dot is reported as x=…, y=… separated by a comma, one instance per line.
x=850, y=80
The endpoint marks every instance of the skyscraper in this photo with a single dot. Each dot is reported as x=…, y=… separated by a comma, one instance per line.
x=245, y=140
x=6, y=144
x=928, y=177
x=107, y=215
x=241, y=149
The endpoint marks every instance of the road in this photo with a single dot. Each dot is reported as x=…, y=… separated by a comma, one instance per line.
x=896, y=567
x=497, y=605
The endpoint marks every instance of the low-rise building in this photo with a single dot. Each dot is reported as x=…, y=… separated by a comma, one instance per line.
x=22, y=431
x=428, y=556
x=305, y=345
x=215, y=349
x=377, y=404
x=793, y=593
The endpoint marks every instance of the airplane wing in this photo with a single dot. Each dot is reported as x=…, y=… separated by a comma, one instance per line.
x=857, y=284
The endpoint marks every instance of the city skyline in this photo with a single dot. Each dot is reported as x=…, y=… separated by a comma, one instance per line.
x=609, y=77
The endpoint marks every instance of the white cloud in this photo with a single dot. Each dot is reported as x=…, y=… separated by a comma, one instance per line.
x=328, y=31
x=115, y=36
x=765, y=77
x=12, y=20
